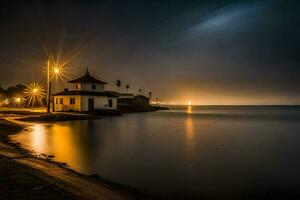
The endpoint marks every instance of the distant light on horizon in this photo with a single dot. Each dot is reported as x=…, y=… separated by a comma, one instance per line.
x=190, y=103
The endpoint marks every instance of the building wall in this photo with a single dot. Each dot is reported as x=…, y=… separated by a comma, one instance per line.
x=88, y=87
x=115, y=104
x=81, y=103
x=100, y=102
x=66, y=106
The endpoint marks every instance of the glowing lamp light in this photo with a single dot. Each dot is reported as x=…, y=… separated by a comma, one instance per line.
x=18, y=100
x=189, y=103
x=34, y=93
x=56, y=70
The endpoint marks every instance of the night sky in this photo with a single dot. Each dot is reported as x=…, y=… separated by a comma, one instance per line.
x=209, y=52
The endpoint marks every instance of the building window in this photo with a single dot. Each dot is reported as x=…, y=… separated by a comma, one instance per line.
x=72, y=100
x=110, y=103
x=76, y=87
x=56, y=100
x=61, y=101
x=94, y=87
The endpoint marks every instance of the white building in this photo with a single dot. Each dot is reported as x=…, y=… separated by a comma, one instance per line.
x=88, y=94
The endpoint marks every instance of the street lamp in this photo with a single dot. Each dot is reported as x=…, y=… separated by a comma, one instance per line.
x=56, y=71
x=48, y=87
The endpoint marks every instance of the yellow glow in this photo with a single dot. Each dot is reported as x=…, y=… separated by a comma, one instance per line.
x=190, y=133
x=34, y=93
x=189, y=109
x=39, y=138
x=16, y=102
x=56, y=70
x=189, y=128
x=58, y=140
x=64, y=146
x=189, y=102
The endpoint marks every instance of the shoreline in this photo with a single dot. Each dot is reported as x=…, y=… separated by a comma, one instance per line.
x=102, y=188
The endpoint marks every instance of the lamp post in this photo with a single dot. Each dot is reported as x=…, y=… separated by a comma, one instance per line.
x=48, y=87
x=56, y=71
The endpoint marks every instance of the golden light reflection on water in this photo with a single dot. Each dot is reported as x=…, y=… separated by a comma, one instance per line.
x=59, y=140
x=189, y=109
x=189, y=126
x=62, y=143
x=39, y=137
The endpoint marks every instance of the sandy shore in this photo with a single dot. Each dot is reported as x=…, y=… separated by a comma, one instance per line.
x=21, y=173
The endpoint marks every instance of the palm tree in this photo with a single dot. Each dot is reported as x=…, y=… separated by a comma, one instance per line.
x=150, y=94
x=127, y=87
x=118, y=84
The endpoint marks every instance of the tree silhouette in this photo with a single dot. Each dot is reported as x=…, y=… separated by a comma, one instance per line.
x=150, y=94
x=127, y=87
x=140, y=91
x=118, y=84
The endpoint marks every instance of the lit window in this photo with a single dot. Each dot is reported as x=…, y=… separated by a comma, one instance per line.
x=56, y=100
x=76, y=87
x=61, y=101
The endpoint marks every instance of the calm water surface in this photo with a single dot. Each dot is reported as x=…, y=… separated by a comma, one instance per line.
x=203, y=151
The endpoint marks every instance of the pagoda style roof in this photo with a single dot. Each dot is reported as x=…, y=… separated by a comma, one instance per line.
x=87, y=78
x=86, y=93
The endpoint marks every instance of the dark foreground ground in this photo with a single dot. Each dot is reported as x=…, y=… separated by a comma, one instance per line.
x=17, y=181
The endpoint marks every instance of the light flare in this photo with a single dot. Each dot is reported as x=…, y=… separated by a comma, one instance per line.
x=57, y=71
x=16, y=102
x=34, y=94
